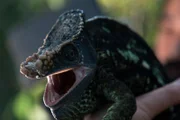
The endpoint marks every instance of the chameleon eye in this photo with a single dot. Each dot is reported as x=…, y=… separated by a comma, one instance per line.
x=69, y=52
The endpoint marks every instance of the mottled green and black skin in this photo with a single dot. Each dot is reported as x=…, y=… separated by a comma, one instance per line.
x=123, y=66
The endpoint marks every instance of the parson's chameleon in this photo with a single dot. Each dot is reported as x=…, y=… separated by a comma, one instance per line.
x=92, y=62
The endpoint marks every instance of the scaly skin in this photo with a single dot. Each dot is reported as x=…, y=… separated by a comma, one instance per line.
x=123, y=66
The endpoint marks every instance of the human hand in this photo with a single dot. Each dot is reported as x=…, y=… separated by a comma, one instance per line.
x=150, y=104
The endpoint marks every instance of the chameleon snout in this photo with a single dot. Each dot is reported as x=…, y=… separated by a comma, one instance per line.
x=37, y=66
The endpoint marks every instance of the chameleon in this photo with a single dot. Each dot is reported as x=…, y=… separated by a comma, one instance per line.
x=89, y=63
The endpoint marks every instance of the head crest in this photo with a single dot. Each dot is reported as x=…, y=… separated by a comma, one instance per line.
x=68, y=26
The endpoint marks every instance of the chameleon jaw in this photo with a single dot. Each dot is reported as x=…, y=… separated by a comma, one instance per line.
x=63, y=82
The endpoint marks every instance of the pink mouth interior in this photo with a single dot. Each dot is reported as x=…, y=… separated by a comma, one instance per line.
x=61, y=83
x=57, y=86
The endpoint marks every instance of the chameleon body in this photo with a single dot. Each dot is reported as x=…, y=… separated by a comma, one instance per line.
x=92, y=62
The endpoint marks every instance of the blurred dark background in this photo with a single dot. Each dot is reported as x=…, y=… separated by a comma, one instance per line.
x=25, y=23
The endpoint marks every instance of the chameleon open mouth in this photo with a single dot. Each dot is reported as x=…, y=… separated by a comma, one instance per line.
x=63, y=82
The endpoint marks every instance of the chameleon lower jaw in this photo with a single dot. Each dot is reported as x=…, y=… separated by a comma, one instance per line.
x=63, y=82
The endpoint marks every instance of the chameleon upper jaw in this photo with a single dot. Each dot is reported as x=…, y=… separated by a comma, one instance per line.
x=63, y=82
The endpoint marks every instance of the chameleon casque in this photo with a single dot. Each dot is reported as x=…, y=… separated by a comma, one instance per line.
x=92, y=62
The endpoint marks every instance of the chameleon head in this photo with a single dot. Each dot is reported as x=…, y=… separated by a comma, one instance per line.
x=65, y=58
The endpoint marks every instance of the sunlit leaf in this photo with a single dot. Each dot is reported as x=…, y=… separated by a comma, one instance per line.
x=37, y=113
x=27, y=103
x=56, y=4
x=23, y=105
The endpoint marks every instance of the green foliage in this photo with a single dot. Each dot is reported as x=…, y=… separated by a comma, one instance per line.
x=56, y=4
x=11, y=13
x=26, y=105
x=141, y=15
x=38, y=5
x=23, y=105
x=8, y=87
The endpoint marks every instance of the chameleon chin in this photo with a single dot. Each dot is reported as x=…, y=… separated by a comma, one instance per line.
x=91, y=62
